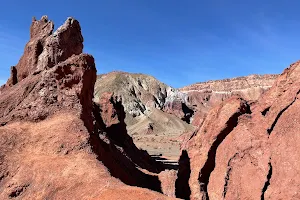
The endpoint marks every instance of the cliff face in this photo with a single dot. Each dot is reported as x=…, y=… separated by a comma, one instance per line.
x=203, y=96
x=233, y=84
x=249, y=151
x=55, y=142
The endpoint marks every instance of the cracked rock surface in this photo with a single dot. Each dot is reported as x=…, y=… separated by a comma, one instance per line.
x=250, y=153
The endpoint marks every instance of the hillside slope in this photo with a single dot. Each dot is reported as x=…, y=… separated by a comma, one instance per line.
x=150, y=118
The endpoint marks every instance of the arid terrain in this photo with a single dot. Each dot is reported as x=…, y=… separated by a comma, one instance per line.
x=68, y=133
x=144, y=99
x=155, y=112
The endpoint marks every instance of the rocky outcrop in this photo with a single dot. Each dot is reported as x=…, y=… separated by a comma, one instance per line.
x=176, y=103
x=179, y=109
x=55, y=142
x=203, y=146
x=64, y=86
x=167, y=179
x=45, y=49
x=118, y=153
x=243, y=153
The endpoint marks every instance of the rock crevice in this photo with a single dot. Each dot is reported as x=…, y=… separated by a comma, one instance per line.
x=268, y=179
x=182, y=188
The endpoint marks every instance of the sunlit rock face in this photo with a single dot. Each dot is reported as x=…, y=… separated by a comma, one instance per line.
x=248, y=150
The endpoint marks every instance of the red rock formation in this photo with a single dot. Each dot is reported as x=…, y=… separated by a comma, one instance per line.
x=46, y=49
x=39, y=31
x=54, y=143
x=206, y=95
x=238, y=154
x=167, y=178
x=64, y=86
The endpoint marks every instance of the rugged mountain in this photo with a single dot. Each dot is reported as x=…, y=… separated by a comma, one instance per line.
x=138, y=92
x=247, y=150
x=155, y=115
x=141, y=93
x=55, y=142
x=156, y=111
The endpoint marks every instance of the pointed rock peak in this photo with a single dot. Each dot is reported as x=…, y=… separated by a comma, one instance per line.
x=66, y=41
x=46, y=49
x=41, y=28
x=70, y=26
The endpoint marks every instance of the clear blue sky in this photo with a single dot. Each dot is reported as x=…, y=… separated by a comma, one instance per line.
x=178, y=42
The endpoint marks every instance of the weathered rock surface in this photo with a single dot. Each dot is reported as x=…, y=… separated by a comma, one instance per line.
x=206, y=95
x=64, y=86
x=179, y=109
x=143, y=97
x=53, y=159
x=155, y=112
x=139, y=93
x=249, y=153
x=46, y=49
x=55, y=143
x=167, y=178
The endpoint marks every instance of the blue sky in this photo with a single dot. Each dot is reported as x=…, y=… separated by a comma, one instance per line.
x=178, y=42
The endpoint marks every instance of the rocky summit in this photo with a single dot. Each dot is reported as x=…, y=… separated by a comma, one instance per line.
x=66, y=133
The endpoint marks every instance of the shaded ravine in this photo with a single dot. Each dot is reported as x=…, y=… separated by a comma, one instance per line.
x=182, y=189
x=118, y=133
